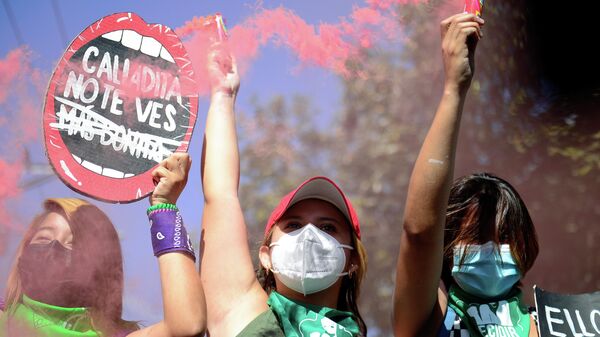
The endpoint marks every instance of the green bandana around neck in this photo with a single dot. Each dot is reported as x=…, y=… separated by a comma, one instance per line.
x=504, y=317
x=32, y=318
x=305, y=320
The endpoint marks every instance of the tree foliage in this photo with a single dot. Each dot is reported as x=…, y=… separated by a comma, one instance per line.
x=515, y=124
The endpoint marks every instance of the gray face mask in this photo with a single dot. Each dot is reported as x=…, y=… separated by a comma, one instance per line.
x=308, y=260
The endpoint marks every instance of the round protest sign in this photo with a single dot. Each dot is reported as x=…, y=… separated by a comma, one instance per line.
x=120, y=100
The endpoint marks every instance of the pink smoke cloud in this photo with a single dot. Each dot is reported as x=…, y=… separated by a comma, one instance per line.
x=21, y=89
x=326, y=45
x=390, y=4
x=10, y=69
x=9, y=189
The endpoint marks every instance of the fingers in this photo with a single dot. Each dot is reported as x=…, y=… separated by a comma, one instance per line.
x=464, y=29
x=220, y=59
x=159, y=174
x=445, y=24
x=460, y=35
x=170, y=178
x=459, y=30
x=456, y=31
x=177, y=164
x=452, y=22
x=222, y=71
x=176, y=160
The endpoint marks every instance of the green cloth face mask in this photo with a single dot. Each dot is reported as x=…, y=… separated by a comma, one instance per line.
x=301, y=319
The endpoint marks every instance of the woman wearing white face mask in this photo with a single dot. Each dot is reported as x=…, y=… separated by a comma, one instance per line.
x=312, y=254
x=476, y=235
x=312, y=261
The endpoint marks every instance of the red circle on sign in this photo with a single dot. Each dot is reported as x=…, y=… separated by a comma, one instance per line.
x=101, y=140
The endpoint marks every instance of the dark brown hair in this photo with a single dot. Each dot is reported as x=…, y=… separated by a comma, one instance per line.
x=480, y=204
x=350, y=289
x=97, y=252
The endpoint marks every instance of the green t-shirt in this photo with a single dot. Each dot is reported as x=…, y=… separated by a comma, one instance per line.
x=37, y=319
x=290, y=318
x=266, y=324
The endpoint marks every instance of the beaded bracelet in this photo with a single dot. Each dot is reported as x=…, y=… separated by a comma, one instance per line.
x=161, y=207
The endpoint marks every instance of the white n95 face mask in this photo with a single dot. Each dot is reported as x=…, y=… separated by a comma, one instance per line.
x=308, y=260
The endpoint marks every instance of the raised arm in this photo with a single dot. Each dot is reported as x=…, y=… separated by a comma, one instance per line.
x=421, y=244
x=234, y=296
x=184, y=306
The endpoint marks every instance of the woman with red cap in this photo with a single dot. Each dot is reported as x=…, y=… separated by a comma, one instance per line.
x=312, y=261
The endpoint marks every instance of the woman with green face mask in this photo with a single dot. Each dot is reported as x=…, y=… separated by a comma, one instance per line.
x=475, y=236
x=67, y=278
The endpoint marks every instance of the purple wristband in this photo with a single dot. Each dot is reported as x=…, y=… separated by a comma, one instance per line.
x=169, y=234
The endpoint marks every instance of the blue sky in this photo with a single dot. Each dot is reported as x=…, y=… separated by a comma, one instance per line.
x=274, y=72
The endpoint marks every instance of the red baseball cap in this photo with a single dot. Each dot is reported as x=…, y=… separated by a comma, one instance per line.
x=316, y=188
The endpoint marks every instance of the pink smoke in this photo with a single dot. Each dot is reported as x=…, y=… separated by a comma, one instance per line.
x=327, y=45
x=9, y=177
x=21, y=89
x=10, y=69
x=390, y=4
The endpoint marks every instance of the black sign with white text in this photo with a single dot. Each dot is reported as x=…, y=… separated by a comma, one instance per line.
x=568, y=315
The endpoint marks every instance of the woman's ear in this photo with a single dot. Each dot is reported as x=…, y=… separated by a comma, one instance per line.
x=265, y=257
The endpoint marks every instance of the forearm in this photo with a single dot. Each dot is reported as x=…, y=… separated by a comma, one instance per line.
x=183, y=298
x=221, y=163
x=421, y=244
x=434, y=168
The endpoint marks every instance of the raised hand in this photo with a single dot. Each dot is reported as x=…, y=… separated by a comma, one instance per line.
x=222, y=71
x=460, y=34
x=170, y=178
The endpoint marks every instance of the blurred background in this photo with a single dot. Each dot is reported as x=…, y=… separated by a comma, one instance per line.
x=346, y=89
